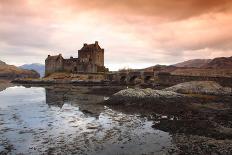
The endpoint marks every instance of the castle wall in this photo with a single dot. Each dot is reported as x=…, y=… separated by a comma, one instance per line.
x=93, y=54
x=99, y=57
x=53, y=65
x=86, y=67
x=70, y=65
x=90, y=60
x=86, y=56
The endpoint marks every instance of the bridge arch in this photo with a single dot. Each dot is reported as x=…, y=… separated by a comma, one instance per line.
x=133, y=78
x=147, y=79
x=123, y=79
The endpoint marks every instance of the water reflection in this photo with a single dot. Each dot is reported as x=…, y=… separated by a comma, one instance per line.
x=76, y=96
x=65, y=120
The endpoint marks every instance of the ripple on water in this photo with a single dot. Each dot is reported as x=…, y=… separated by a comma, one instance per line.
x=32, y=124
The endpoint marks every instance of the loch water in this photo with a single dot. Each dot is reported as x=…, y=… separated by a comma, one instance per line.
x=72, y=120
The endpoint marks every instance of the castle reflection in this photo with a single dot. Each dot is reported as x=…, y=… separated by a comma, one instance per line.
x=81, y=97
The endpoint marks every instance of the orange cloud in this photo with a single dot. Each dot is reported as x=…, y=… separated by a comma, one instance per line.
x=133, y=32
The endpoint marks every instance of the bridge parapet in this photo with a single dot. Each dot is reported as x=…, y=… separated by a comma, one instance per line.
x=132, y=77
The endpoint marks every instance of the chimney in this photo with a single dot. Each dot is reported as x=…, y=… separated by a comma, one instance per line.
x=48, y=55
x=96, y=42
x=85, y=44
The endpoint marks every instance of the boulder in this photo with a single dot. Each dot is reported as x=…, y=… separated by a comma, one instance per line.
x=200, y=87
x=141, y=96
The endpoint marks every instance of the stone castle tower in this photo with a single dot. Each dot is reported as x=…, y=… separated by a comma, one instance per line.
x=90, y=60
x=92, y=53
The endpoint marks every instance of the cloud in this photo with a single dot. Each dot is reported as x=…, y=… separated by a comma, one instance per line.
x=133, y=32
x=171, y=9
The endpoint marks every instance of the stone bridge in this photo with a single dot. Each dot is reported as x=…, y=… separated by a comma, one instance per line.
x=167, y=79
x=132, y=77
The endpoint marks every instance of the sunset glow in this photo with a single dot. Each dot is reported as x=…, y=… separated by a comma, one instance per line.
x=133, y=33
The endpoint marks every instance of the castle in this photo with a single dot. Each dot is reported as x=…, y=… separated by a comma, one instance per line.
x=90, y=60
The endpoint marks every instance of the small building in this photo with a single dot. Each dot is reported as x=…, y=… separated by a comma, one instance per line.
x=90, y=60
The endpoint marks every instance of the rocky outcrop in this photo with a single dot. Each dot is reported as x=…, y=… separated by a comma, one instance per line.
x=141, y=96
x=198, y=145
x=200, y=87
x=13, y=72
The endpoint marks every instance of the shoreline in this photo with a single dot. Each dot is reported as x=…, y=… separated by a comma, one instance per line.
x=83, y=83
x=191, y=121
x=5, y=84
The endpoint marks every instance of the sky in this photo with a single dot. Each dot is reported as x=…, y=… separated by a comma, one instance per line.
x=134, y=33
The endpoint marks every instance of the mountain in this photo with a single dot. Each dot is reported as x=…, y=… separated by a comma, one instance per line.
x=159, y=68
x=221, y=62
x=12, y=72
x=2, y=63
x=216, y=63
x=40, y=68
x=217, y=67
x=196, y=63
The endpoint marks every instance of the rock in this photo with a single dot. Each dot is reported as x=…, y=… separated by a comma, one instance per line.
x=92, y=126
x=144, y=96
x=146, y=93
x=198, y=145
x=200, y=87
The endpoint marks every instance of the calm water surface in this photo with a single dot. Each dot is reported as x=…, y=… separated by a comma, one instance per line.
x=65, y=120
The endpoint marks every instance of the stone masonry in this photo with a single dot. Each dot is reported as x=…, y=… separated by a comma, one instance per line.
x=90, y=60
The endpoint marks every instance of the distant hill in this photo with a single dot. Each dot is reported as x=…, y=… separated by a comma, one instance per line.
x=216, y=63
x=12, y=72
x=159, y=68
x=196, y=63
x=219, y=63
x=218, y=67
x=2, y=63
x=40, y=68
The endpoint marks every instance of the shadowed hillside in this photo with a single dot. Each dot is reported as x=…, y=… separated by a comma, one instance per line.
x=197, y=63
x=12, y=72
x=217, y=63
x=222, y=62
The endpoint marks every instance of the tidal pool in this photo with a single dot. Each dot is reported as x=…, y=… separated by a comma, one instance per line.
x=69, y=120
